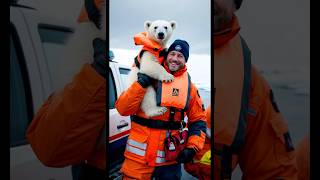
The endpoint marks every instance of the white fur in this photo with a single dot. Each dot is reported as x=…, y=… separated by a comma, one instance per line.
x=150, y=66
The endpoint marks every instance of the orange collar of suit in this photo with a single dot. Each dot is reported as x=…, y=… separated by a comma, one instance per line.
x=224, y=36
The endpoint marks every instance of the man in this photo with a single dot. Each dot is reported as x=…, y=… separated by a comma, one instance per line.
x=248, y=127
x=145, y=155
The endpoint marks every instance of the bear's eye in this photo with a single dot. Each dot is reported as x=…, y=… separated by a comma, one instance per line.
x=165, y=27
x=155, y=27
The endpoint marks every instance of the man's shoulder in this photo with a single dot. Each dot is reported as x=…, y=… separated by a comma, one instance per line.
x=193, y=89
x=257, y=79
x=260, y=88
x=193, y=86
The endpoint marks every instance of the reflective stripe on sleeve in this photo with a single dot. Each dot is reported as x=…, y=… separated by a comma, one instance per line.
x=161, y=153
x=252, y=112
x=160, y=160
x=208, y=133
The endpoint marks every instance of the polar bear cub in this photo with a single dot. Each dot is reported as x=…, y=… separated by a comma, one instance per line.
x=159, y=31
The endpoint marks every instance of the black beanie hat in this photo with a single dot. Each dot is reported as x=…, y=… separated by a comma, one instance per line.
x=237, y=3
x=180, y=46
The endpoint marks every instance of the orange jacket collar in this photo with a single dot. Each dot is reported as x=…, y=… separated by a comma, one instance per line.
x=224, y=36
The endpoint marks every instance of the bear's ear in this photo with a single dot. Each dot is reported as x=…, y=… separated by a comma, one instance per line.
x=173, y=24
x=147, y=24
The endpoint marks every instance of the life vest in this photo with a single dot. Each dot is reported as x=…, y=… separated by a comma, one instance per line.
x=175, y=96
x=231, y=100
x=150, y=46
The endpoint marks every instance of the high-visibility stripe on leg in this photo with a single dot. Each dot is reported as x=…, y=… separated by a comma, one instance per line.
x=135, y=150
x=137, y=144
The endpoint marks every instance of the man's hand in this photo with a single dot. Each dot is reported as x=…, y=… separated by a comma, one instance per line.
x=144, y=80
x=186, y=155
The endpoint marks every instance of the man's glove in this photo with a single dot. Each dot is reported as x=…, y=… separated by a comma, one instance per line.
x=100, y=57
x=144, y=80
x=186, y=155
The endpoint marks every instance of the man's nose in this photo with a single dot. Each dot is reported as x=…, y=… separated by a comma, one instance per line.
x=174, y=57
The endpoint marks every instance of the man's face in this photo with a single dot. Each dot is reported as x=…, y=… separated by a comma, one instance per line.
x=175, y=61
x=223, y=11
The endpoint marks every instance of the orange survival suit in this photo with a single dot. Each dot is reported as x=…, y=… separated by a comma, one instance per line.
x=248, y=127
x=145, y=145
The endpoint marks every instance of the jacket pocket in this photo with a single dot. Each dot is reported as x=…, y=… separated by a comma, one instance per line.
x=139, y=133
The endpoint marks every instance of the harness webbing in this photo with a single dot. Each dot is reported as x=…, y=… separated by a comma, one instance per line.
x=222, y=153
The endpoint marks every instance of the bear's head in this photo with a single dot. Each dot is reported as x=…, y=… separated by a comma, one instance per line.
x=160, y=30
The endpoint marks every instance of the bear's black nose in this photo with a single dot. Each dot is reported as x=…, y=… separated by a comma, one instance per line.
x=161, y=35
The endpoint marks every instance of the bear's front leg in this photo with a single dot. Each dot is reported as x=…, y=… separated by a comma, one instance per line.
x=150, y=66
x=149, y=104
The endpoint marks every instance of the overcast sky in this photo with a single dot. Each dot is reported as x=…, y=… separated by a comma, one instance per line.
x=276, y=31
x=127, y=18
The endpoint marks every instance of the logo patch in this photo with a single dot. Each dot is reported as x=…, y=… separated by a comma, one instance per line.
x=175, y=92
x=178, y=48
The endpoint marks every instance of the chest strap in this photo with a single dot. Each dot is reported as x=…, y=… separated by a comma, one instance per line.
x=156, y=124
x=160, y=124
x=223, y=153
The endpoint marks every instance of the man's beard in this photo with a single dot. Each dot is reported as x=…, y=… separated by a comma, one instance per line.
x=176, y=68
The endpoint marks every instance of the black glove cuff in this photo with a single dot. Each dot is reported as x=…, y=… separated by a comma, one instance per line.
x=186, y=155
x=144, y=80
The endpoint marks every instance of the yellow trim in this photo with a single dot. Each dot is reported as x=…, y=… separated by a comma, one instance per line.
x=206, y=158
